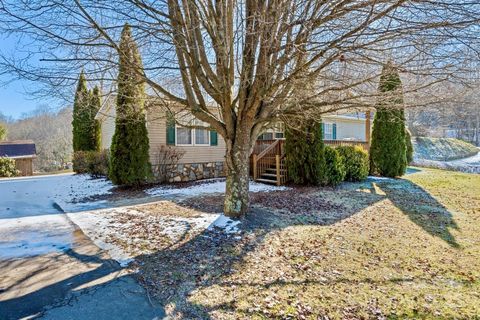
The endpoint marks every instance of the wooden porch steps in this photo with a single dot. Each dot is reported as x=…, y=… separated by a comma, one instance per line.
x=270, y=175
x=274, y=171
x=267, y=181
x=268, y=165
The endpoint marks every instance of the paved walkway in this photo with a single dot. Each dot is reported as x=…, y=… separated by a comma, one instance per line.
x=51, y=270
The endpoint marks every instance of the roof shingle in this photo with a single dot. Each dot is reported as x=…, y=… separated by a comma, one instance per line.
x=19, y=148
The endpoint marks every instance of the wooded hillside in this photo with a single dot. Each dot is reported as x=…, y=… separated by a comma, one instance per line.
x=51, y=131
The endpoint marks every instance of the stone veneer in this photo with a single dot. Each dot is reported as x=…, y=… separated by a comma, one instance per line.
x=196, y=171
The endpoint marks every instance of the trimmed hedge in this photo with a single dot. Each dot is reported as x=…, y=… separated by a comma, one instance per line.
x=7, y=167
x=94, y=163
x=334, y=172
x=356, y=163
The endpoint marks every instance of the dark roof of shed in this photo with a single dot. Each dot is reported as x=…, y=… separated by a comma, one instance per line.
x=19, y=148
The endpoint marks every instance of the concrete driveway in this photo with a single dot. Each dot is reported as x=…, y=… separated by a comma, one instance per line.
x=49, y=268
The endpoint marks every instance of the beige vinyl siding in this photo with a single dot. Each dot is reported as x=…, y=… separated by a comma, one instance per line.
x=157, y=134
x=348, y=129
x=108, y=127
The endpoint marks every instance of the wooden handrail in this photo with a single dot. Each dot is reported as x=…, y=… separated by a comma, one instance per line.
x=264, y=152
x=271, y=156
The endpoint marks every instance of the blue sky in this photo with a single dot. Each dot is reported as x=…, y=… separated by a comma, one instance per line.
x=14, y=99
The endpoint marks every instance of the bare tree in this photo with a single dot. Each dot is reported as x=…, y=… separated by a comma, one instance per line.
x=52, y=133
x=255, y=61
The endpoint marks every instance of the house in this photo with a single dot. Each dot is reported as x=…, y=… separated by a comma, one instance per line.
x=204, y=151
x=22, y=151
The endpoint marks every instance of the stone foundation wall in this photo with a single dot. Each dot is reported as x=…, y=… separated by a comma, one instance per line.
x=196, y=171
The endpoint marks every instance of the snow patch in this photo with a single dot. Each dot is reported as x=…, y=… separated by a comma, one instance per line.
x=71, y=189
x=469, y=165
x=226, y=224
x=99, y=226
x=207, y=187
x=34, y=235
x=374, y=178
x=127, y=232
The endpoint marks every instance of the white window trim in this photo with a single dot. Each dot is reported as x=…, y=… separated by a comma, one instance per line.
x=192, y=133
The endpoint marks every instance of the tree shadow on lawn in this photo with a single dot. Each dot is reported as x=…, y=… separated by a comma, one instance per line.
x=421, y=208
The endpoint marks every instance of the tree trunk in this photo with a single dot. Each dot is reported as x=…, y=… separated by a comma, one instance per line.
x=236, y=193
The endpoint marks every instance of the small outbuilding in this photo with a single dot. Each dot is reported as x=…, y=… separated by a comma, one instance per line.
x=23, y=152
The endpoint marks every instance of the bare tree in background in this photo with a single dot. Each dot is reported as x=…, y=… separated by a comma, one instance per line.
x=52, y=133
x=252, y=60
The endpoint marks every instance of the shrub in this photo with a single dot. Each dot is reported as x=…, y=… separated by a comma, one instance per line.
x=356, y=163
x=80, y=161
x=3, y=132
x=334, y=171
x=304, y=153
x=91, y=162
x=7, y=167
x=167, y=159
x=388, y=150
x=85, y=129
x=129, y=162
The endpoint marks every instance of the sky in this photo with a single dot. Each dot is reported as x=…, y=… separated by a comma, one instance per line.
x=14, y=98
x=14, y=101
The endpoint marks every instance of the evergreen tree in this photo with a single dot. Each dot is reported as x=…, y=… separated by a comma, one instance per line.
x=95, y=104
x=85, y=127
x=388, y=150
x=129, y=158
x=305, y=154
x=78, y=123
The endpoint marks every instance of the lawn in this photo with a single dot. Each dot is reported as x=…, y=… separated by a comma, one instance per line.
x=384, y=248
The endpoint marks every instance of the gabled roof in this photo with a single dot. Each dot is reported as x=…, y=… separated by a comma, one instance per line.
x=18, y=149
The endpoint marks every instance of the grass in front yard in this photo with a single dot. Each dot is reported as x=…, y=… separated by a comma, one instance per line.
x=395, y=249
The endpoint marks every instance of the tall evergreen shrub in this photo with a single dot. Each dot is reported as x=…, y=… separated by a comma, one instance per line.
x=95, y=104
x=304, y=150
x=79, y=128
x=129, y=158
x=388, y=150
x=85, y=128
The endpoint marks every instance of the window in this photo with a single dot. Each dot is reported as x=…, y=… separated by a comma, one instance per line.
x=274, y=132
x=192, y=136
x=184, y=136
x=328, y=131
x=266, y=136
x=201, y=136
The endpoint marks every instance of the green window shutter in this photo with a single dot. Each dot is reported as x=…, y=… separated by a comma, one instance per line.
x=334, y=131
x=170, y=133
x=323, y=131
x=213, y=138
